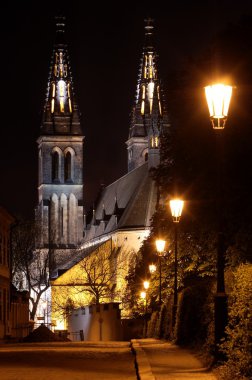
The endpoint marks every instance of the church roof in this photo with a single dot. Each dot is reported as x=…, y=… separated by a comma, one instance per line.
x=75, y=259
x=61, y=114
x=128, y=203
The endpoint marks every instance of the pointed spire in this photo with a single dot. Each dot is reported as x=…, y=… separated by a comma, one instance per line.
x=93, y=221
x=148, y=95
x=117, y=211
x=104, y=216
x=84, y=221
x=148, y=32
x=60, y=30
x=116, y=208
x=148, y=115
x=61, y=114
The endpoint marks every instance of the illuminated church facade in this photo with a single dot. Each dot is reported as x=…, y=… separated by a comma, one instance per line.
x=121, y=217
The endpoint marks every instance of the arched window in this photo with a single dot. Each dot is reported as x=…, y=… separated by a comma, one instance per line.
x=68, y=174
x=55, y=166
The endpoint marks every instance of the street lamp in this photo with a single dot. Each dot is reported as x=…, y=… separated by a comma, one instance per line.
x=160, y=245
x=146, y=285
x=176, y=206
x=218, y=99
x=152, y=268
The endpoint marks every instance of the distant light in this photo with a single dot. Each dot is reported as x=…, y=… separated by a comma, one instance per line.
x=160, y=244
x=143, y=295
x=152, y=268
x=146, y=285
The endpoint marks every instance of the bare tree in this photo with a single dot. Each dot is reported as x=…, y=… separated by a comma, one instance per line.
x=30, y=266
x=100, y=272
x=98, y=277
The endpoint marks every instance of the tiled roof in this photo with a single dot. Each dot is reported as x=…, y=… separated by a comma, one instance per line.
x=135, y=197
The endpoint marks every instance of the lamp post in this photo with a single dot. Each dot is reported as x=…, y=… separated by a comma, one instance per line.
x=176, y=206
x=146, y=285
x=152, y=268
x=160, y=245
x=143, y=295
x=218, y=99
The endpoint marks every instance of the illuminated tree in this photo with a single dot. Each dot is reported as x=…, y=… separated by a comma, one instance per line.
x=30, y=266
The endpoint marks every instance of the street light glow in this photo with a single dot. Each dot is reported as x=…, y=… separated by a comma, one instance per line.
x=152, y=268
x=143, y=295
x=218, y=98
x=146, y=285
x=160, y=244
x=176, y=206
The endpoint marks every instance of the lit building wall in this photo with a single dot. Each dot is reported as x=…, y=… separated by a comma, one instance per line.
x=71, y=289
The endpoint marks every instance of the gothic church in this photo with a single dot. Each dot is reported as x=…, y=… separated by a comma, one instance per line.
x=121, y=217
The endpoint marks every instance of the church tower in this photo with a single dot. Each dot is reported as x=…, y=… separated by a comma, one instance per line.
x=60, y=150
x=148, y=115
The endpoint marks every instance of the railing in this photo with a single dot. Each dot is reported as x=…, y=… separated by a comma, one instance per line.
x=76, y=336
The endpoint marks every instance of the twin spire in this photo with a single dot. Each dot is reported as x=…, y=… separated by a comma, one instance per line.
x=61, y=115
x=148, y=117
x=149, y=86
x=149, y=102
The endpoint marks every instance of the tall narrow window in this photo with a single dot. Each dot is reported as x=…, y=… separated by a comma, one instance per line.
x=68, y=174
x=55, y=166
x=61, y=89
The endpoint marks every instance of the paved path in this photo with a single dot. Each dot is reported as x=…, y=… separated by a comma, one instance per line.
x=67, y=361
x=161, y=360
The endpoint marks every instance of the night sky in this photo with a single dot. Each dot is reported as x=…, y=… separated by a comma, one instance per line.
x=105, y=44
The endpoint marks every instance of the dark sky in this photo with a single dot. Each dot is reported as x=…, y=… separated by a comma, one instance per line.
x=105, y=43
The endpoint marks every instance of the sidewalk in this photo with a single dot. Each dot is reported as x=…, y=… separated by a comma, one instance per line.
x=161, y=360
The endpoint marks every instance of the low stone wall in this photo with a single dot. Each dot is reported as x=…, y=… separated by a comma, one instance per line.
x=95, y=322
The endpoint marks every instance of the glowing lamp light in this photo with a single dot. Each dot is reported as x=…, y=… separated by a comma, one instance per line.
x=176, y=206
x=143, y=295
x=160, y=244
x=218, y=98
x=152, y=268
x=146, y=285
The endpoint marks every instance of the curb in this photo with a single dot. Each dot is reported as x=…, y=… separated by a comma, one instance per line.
x=142, y=364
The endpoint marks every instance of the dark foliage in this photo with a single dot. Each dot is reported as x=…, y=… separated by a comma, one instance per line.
x=193, y=312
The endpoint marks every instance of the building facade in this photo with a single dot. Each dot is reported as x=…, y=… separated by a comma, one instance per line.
x=60, y=151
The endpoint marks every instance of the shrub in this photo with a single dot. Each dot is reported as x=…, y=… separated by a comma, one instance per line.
x=192, y=316
x=238, y=344
x=152, y=325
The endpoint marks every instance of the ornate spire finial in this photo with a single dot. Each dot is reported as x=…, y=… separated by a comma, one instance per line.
x=148, y=25
x=148, y=28
x=148, y=114
x=60, y=29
